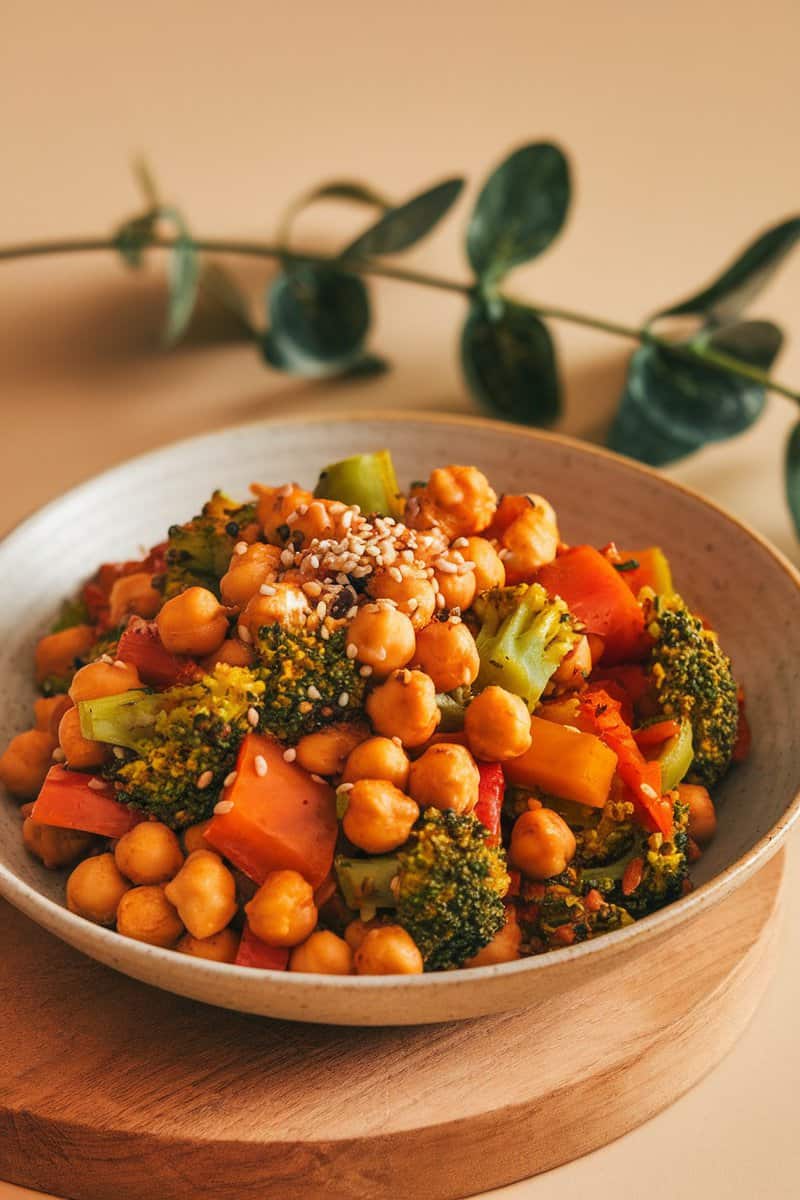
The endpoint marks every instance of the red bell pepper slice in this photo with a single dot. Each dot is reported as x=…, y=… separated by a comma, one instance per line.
x=68, y=801
x=656, y=734
x=141, y=645
x=253, y=952
x=600, y=713
x=491, y=790
x=597, y=595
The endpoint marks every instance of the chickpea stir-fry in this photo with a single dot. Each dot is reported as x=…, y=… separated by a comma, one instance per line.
x=352, y=731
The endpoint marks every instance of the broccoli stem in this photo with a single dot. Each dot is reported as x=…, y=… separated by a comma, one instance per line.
x=366, y=883
x=122, y=720
x=368, y=480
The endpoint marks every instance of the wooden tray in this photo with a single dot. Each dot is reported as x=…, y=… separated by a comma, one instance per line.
x=112, y=1089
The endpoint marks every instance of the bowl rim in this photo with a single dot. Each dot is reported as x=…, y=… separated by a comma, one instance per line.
x=60, y=920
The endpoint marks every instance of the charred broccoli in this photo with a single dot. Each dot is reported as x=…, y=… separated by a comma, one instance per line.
x=693, y=680
x=522, y=639
x=199, y=552
x=308, y=681
x=563, y=916
x=182, y=742
x=446, y=885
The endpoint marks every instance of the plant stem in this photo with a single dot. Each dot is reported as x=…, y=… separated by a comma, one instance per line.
x=689, y=353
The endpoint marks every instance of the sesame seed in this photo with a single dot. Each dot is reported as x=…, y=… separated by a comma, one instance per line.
x=648, y=791
x=440, y=600
x=365, y=671
x=267, y=589
x=503, y=554
x=59, y=756
x=351, y=612
x=252, y=716
x=260, y=765
x=302, y=509
x=287, y=557
x=352, y=650
x=344, y=699
x=572, y=728
x=240, y=548
x=289, y=755
x=106, y=658
x=222, y=807
x=412, y=507
x=380, y=653
x=312, y=588
x=413, y=604
x=372, y=550
x=322, y=610
x=285, y=490
x=313, y=692
x=407, y=556
x=119, y=752
x=460, y=542
x=397, y=741
x=345, y=787
x=447, y=568
x=396, y=574
x=325, y=633
x=229, y=779
x=119, y=664
x=347, y=519
x=317, y=778
x=292, y=518
x=205, y=779
x=314, y=560
x=97, y=785
x=244, y=634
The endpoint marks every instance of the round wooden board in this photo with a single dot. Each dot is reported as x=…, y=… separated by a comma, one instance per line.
x=110, y=1088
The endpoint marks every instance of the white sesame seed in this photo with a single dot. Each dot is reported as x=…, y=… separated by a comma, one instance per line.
x=205, y=779
x=58, y=755
x=292, y=518
x=119, y=664
x=222, y=807
x=229, y=779
x=287, y=557
x=413, y=604
x=314, y=560
x=313, y=692
x=447, y=568
x=289, y=755
x=347, y=519
x=119, y=752
x=302, y=509
x=260, y=765
x=240, y=548
x=365, y=671
x=351, y=612
x=352, y=650
x=267, y=589
x=285, y=490
x=252, y=716
x=97, y=785
x=460, y=542
x=322, y=610
x=572, y=728
x=244, y=634
x=317, y=778
x=344, y=699
x=312, y=588
x=397, y=741
x=648, y=791
x=396, y=574
x=325, y=633
x=380, y=653
x=503, y=554
x=345, y=787
x=407, y=556
x=440, y=601
x=106, y=658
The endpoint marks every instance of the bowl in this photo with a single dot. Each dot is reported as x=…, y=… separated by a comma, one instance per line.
x=721, y=567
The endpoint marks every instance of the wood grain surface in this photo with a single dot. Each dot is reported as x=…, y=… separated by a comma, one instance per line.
x=110, y=1088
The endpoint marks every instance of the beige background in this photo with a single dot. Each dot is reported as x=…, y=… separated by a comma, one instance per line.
x=681, y=120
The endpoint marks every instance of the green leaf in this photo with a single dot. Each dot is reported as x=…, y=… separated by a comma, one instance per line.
x=793, y=475
x=184, y=279
x=520, y=210
x=319, y=319
x=672, y=406
x=349, y=190
x=405, y=225
x=757, y=343
x=731, y=292
x=133, y=237
x=510, y=363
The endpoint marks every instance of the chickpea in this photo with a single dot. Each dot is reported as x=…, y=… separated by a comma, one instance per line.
x=504, y=947
x=457, y=588
x=287, y=606
x=194, y=837
x=325, y=752
x=204, y=893
x=247, y=572
x=25, y=762
x=447, y=652
x=146, y=915
x=497, y=725
x=379, y=816
x=276, y=504
x=133, y=594
x=149, y=853
x=53, y=846
x=48, y=711
x=413, y=594
x=220, y=947
x=383, y=638
x=357, y=930
x=405, y=706
x=283, y=912
x=56, y=653
x=458, y=499
x=702, y=815
x=81, y=753
x=575, y=666
x=232, y=653
x=95, y=888
x=388, y=950
x=193, y=622
x=103, y=679
x=542, y=844
x=323, y=954
x=489, y=569
x=316, y=522
x=445, y=776
x=529, y=535
x=377, y=758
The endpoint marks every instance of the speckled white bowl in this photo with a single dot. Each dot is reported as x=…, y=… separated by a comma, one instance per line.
x=723, y=568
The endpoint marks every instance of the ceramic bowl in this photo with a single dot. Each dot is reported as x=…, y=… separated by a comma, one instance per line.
x=722, y=568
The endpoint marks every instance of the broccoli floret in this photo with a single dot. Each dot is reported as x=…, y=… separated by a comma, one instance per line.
x=199, y=552
x=182, y=742
x=73, y=612
x=693, y=681
x=308, y=681
x=446, y=885
x=452, y=708
x=608, y=838
x=563, y=916
x=663, y=869
x=523, y=636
